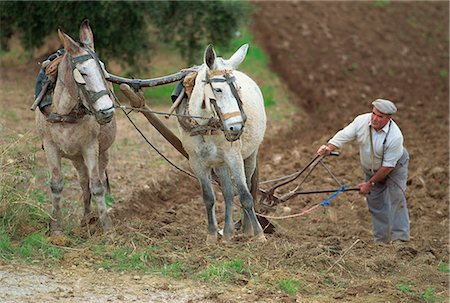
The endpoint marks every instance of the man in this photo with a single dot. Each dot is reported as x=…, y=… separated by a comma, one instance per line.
x=384, y=161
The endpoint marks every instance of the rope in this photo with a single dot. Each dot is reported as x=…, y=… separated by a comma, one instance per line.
x=157, y=113
x=146, y=140
x=305, y=212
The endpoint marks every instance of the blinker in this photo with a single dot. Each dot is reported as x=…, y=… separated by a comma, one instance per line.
x=78, y=77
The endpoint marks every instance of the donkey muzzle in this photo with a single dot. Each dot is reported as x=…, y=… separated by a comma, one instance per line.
x=104, y=116
x=233, y=132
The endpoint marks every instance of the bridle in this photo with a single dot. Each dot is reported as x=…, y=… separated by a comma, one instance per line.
x=231, y=81
x=89, y=96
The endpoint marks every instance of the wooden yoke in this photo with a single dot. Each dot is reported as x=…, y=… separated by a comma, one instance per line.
x=137, y=100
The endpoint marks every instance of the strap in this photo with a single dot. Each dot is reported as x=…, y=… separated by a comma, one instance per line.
x=384, y=144
x=371, y=150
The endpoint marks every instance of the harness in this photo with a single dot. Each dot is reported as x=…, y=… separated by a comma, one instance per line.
x=214, y=124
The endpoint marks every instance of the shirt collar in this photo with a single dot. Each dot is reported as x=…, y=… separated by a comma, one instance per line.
x=385, y=128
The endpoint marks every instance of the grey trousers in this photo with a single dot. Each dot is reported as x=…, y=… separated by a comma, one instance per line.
x=387, y=204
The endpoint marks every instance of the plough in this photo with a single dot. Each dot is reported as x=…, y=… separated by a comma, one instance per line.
x=132, y=90
x=269, y=198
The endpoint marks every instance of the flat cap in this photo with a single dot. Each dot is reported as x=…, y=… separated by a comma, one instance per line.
x=385, y=106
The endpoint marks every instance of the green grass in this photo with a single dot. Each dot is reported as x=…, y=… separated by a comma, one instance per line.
x=444, y=267
x=6, y=249
x=290, y=286
x=405, y=288
x=443, y=73
x=429, y=295
x=381, y=3
x=159, y=95
x=39, y=196
x=111, y=200
x=224, y=271
x=32, y=247
x=175, y=270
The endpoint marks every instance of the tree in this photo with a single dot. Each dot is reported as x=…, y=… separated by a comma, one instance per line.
x=126, y=30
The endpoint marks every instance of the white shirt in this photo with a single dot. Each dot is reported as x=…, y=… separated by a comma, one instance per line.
x=359, y=130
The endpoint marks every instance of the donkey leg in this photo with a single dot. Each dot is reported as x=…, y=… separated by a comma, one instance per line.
x=204, y=176
x=250, y=169
x=83, y=178
x=237, y=169
x=91, y=159
x=53, y=156
x=227, y=190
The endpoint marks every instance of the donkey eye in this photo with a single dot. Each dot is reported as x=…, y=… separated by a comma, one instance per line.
x=217, y=90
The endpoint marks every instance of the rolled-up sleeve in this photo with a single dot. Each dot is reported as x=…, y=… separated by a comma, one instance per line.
x=346, y=134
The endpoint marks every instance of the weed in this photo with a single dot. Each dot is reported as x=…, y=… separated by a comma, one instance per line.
x=224, y=271
x=429, y=295
x=112, y=200
x=39, y=196
x=6, y=249
x=443, y=267
x=36, y=246
x=18, y=210
x=290, y=286
x=443, y=73
x=412, y=21
x=405, y=288
x=175, y=270
x=381, y=3
x=125, y=258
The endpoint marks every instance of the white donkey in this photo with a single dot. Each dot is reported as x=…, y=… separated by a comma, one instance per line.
x=81, y=125
x=227, y=108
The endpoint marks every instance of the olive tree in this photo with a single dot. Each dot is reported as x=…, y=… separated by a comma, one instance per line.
x=127, y=30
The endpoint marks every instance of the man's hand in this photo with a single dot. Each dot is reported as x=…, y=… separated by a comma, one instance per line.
x=324, y=150
x=364, y=188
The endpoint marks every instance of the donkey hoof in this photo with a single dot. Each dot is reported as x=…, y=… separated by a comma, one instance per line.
x=211, y=239
x=260, y=238
x=58, y=239
x=110, y=235
x=227, y=240
x=88, y=219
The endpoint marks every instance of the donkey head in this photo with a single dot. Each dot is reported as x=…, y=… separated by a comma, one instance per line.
x=88, y=74
x=220, y=92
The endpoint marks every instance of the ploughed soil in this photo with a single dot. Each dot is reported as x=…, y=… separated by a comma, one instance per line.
x=334, y=58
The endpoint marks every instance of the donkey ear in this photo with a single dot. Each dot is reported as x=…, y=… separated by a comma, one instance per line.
x=69, y=44
x=210, y=57
x=86, y=35
x=238, y=56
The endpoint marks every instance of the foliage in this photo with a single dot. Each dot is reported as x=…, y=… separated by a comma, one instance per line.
x=126, y=30
x=290, y=286
x=207, y=22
